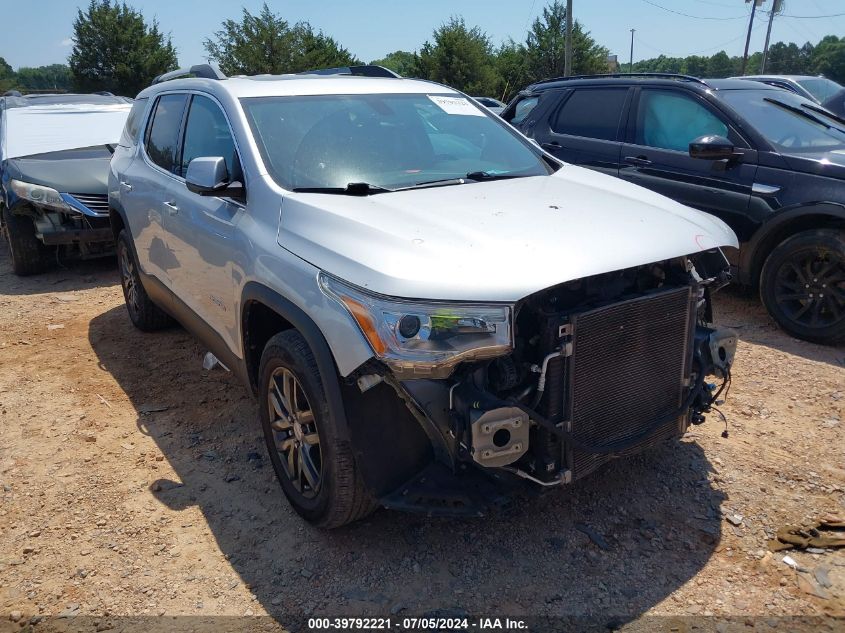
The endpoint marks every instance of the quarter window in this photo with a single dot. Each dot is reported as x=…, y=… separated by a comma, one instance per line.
x=133, y=123
x=592, y=113
x=669, y=120
x=207, y=134
x=163, y=132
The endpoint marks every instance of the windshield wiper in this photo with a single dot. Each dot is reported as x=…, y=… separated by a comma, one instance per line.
x=486, y=175
x=477, y=176
x=823, y=112
x=799, y=112
x=352, y=189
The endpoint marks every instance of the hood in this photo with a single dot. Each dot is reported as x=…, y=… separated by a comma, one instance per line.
x=71, y=171
x=830, y=164
x=493, y=241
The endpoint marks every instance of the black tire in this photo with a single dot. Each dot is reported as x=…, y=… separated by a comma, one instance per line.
x=802, y=285
x=340, y=496
x=144, y=314
x=29, y=254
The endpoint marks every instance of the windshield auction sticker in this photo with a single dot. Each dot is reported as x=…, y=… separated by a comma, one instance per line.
x=456, y=105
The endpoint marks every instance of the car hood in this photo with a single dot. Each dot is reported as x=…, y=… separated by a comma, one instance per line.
x=65, y=175
x=493, y=241
x=830, y=164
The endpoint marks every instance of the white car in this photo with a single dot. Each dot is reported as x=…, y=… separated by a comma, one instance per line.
x=427, y=306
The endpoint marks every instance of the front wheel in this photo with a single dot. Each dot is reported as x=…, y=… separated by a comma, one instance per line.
x=315, y=467
x=29, y=254
x=802, y=285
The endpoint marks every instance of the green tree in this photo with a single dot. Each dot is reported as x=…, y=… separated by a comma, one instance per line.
x=55, y=77
x=7, y=76
x=720, y=65
x=267, y=43
x=114, y=49
x=787, y=59
x=512, y=67
x=459, y=57
x=401, y=62
x=828, y=58
x=546, y=44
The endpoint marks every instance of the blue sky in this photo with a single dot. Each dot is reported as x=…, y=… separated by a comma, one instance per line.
x=371, y=28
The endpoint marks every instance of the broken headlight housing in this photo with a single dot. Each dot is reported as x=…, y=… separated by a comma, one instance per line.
x=424, y=338
x=39, y=194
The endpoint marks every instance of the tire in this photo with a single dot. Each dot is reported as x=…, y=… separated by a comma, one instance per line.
x=144, y=314
x=292, y=420
x=29, y=254
x=802, y=285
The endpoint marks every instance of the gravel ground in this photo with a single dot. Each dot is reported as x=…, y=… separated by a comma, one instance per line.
x=135, y=483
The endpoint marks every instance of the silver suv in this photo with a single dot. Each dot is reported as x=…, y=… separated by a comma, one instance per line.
x=429, y=308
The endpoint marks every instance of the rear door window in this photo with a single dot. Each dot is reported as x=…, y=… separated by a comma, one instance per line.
x=592, y=113
x=163, y=130
x=672, y=120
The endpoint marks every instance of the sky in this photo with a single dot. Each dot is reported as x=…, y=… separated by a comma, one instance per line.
x=372, y=28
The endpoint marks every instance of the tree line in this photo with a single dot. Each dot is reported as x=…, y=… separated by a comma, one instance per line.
x=115, y=49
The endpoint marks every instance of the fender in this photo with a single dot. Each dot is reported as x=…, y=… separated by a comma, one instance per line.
x=770, y=230
x=254, y=291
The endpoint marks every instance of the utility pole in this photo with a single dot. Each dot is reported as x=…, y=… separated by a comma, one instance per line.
x=631, y=67
x=567, y=64
x=754, y=5
x=777, y=7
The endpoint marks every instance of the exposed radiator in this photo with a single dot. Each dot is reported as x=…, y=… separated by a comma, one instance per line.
x=629, y=367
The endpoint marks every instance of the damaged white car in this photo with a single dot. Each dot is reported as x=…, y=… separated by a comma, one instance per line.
x=54, y=155
x=429, y=308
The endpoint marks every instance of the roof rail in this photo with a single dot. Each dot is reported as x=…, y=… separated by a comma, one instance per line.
x=368, y=70
x=678, y=76
x=203, y=71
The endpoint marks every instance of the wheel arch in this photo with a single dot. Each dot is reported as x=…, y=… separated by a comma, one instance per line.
x=782, y=226
x=264, y=313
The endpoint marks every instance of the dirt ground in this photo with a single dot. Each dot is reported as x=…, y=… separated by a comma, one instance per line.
x=135, y=483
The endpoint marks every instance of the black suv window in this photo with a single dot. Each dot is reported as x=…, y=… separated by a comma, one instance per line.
x=163, y=131
x=133, y=123
x=207, y=134
x=671, y=120
x=593, y=113
x=523, y=108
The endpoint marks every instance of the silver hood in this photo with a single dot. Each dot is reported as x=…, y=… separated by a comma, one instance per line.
x=493, y=241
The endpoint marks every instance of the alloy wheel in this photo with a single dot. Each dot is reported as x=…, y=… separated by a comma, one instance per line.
x=127, y=277
x=810, y=288
x=295, y=434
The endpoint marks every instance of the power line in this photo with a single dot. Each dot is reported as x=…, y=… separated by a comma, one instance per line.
x=810, y=17
x=695, y=17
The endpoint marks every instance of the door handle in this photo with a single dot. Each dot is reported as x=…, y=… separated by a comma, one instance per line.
x=172, y=209
x=126, y=185
x=642, y=161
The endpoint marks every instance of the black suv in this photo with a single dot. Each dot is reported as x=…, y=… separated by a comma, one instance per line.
x=768, y=162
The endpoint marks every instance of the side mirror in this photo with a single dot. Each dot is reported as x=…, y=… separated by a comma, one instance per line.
x=208, y=176
x=712, y=148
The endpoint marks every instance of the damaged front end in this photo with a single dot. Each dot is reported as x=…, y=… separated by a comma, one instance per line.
x=462, y=398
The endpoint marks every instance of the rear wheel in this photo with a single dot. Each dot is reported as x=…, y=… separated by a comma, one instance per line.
x=315, y=467
x=29, y=254
x=802, y=285
x=144, y=314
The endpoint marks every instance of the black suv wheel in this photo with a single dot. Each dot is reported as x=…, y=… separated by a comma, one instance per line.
x=803, y=285
x=29, y=255
x=315, y=468
x=144, y=314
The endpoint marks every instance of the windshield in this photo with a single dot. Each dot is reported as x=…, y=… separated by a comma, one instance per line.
x=772, y=115
x=822, y=89
x=385, y=140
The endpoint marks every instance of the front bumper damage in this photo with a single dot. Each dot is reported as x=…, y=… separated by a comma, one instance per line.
x=603, y=380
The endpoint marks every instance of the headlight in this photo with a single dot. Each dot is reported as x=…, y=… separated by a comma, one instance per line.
x=424, y=338
x=39, y=194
